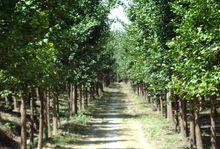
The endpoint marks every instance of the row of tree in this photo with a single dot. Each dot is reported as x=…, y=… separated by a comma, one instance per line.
x=49, y=49
x=171, y=53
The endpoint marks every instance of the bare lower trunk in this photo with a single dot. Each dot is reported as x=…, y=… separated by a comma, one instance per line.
x=45, y=116
x=86, y=97
x=48, y=115
x=138, y=92
x=92, y=96
x=100, y=89
x=176, y=114
x=58, y=109
x=23, y=124
x=70, y=99
x=192, y=129
x=41, y=120
x=80, y=99
x=32, y=123
x=170, y=115
x=183, y=126
x=97, y=89
x=6, y=101
x=169, y=107
x=199, y=143
x=83, y=98
x=161, y=106
x=75, y=100
x=15, y=103
x=55, y=120
x=213, y=120
x=145, y=95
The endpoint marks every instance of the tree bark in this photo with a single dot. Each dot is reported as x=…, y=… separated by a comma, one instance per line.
x=6, y=101
x=45, y=116
x=32, y=122
x=80, y=99
x=192, y=129
x=170, y=115
x=97, y=89
x=183, y=115
x=86, y=97
x=83, y=98
x=75, y=100
x=41, y=120
x=92, y=95
x=55, y=120
x=138, y=89
x=145, y=95
x=213, y=120
x=58, y=110
x=142, y=90
x=15, y=103
x=176, y=114
x=161, y=106
x=23, y=124
x=48, y=114
x=71, y=100
x=100, y=88
x=199, y=143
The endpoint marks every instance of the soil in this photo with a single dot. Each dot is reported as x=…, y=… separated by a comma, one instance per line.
x=114, y=124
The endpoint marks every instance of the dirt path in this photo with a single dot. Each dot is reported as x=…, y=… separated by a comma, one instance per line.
x=114, y=124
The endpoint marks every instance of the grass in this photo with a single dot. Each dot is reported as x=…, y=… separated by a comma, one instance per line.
x=71, y=132
x=73, y=129
x=159, y=131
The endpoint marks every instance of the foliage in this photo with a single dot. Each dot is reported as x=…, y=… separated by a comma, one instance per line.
x=172, y=44
x=48, y=44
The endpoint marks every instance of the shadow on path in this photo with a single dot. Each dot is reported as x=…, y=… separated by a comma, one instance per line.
x=109, y=127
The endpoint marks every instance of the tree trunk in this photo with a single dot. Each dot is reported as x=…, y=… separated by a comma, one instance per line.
x=6, y=101
x=15, y=103
x=170, y=115
x=161, y=106
x=48, y=114
x=45, y=116
x=165, y=105
x=23, y=124
x=32, y=122
x=71, y=100
x=170, y=112
x=192, y=129
x=58, y=110
x=86, y=97
x=75, y=100
x=41, y=120
x=92, y=95
x=100, y=88
x=55, y=120
x=176, y=114
x=199, y=143
x=145, y=95
x=158, y=104
x=97, y=89
x=142, y=90
x=183, y=115
x=80, y=98
x=213, y=120
x=83, y=98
